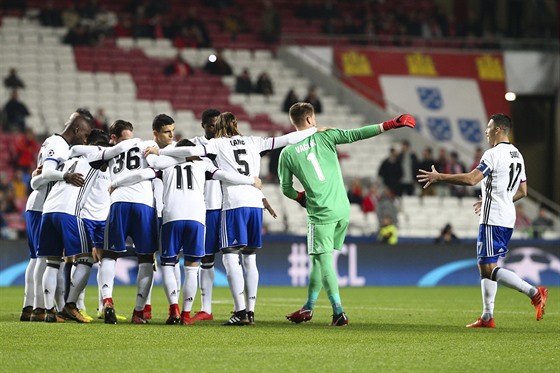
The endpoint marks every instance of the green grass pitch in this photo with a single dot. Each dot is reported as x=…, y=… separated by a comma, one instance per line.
x=392, y=329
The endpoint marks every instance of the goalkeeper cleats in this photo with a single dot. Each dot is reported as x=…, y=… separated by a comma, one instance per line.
x=339, y=320
x=300, y=315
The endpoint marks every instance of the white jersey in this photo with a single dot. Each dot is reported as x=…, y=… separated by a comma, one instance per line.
x=98, y=202
x=53, y=148
x=504, y=169
x=67, y=198
x=213, y=188
x=183, y=191
x=130, y=160
x=240, y=154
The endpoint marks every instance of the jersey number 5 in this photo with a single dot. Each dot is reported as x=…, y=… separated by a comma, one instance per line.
x=514, y=171
x=241, y=162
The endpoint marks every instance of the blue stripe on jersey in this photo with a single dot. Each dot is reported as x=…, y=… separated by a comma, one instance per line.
x=488, y=200
x=51, y=159
x=483, y=167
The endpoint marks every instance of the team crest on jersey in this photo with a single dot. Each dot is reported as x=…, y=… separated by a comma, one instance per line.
x=440, y=128
x=50, y=153
x=430, y=97
x=470, y=130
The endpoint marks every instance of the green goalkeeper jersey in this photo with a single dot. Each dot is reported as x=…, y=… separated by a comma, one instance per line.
x=314, y=162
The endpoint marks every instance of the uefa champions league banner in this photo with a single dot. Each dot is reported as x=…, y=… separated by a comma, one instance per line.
x=451, y=95
x=362, y=262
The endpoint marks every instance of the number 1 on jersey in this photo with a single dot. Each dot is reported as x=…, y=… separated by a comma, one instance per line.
x=311, y=157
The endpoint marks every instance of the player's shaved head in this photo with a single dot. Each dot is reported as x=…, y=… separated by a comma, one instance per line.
x=299, y=112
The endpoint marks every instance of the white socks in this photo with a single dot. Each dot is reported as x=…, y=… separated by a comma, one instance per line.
x=206, y=277
x=234, y=274
x=49, y=286
x=512, y=280
x=144, y=284
x=489, y=289
x=107, y=277
x=29, y=289
x=177, y=269
x=39, y=298
x=251, y=280
x=189, y=287
x=170, y=284
x=60, y=286
x=79, y=280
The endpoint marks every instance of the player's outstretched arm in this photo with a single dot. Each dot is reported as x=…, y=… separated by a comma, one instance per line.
x=292, y=137
x=133, y=177
x=180, y=151
x=430, y=177
x=161, y=162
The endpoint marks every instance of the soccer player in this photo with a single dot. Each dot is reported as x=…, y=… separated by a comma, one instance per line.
x=241, y=220
x=183, y=229
x=314, y=162
x=54, y=150
x=502, y=172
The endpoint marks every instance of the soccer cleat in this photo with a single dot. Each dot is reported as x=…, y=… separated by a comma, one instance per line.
x=482, y=324
x=70, y=311
x=138, y=317
x=84, y=313
x=119, y=317
x=38, y=314
x=174, y=315
x=203, y=316
x=26, y=313
x=339, y=320
x=251, y=317
x=300, y=315
x=186, y=318
x=539, y=301
x=238, y=318
x=109, y=314
x=52, y=316
x=147, y=312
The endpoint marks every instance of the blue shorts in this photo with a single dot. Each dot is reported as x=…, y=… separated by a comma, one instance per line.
x=492, y=243
x=63, y=235
x=33, y=223
x=96, y=231
x=212, y=245
x=182, y=235
x=242, y=227
x=136, y=220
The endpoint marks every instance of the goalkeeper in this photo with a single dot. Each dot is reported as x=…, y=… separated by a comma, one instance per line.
x=314, y=162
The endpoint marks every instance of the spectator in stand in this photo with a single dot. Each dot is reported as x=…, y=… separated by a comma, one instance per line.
x=409, y=166
x=390, y=172
x=522, y=221
x=179, y=67
x=457, y=167
x=20, y=188
x=188, y=37
x=388, y=232
x=355, y=192
x=15, y=112
x=89, y=9
x=50, y=15
x=425, y=164
x=100, y=120
x=386, y=205
x=13, y=81
x=80, y=34
x=447, y=236
x=369, y=203
x=70, y=17
x=443, y=165
x=26, y=148
x=264, y=85
x=123, y=28
x=218, y=65
x=542, y=223
x=290, y=99
x=313, y=99
x=195, y=22
x=271, y=23
x=235, y=24
x=243, y=82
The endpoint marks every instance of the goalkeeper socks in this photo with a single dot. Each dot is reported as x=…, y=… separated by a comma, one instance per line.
x=170, y=283
x=189, y=288
x=315, y=283
x=29, y=289
x=489, y=289
x=251, y=280
x=235, y=279
x=330, y=281
x=206, y=286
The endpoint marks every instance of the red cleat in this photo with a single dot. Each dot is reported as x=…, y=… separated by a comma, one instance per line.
x=339, y=320
x=300, y=315
x=203, y=316
x=147, y=313
x=186, y=318
x=539, y=301
x=137, y=317
x=174, y=315
x=483, y=324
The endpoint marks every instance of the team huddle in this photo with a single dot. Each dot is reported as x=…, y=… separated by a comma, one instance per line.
x=201, y=196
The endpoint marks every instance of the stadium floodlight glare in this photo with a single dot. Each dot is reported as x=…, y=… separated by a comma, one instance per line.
x=510, y=96
x=212, y=58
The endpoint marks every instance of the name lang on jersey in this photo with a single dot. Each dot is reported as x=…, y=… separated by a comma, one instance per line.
x=305, y=147
x=236, y=142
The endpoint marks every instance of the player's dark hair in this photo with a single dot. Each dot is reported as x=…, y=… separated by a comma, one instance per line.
x=98, y=137
x=184, y=142
x=227, y=125
x=210, y=113
x=118, y=126
x=85, y=113
x=503, y=121
x=299, y=111
x=161, y=120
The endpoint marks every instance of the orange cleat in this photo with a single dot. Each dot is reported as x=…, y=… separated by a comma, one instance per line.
x=483, y=324
x=539, y=301
x=203, y=316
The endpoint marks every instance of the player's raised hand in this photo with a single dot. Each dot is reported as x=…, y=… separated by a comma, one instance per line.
x=37, y=171
x=74, y=178
x=151, y=150
x=258, y=182
x=428, y=177
x=269, y=208
x=478, y=206
x=404, y=120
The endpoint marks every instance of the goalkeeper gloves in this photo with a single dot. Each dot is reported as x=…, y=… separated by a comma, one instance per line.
x=404, y=120
x=301, y=198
